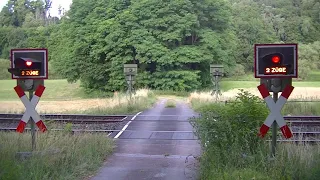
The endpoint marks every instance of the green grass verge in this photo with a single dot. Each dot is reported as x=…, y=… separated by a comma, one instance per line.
x=75, y=157
x=55, y=90
x=314, y=76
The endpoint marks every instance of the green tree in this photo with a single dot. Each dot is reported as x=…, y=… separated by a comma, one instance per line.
x=250, y=28
x=172, y=41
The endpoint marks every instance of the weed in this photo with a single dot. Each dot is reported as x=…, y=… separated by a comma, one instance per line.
x=170, y=103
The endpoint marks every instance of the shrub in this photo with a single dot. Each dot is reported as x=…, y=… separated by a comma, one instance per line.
x=231, y=129
x=4, y=65
x=238, y=70
x=170, y=103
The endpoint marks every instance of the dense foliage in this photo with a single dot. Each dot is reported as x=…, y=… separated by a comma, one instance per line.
x=233, y=150
x=173, y=42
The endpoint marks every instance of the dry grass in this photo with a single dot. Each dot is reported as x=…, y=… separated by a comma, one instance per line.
x=72, y=105
x=305, y=93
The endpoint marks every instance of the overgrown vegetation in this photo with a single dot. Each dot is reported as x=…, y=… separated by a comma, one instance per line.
x=58, y=155
x=232, y=149
x=170, y=103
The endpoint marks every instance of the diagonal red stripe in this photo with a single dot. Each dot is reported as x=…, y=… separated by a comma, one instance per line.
x=263, y=130
x=39, y=90
x=21, y=127
x=19, y=91
x=287, y=91
x=286, y=131
x=41, y=126
x=263, y=90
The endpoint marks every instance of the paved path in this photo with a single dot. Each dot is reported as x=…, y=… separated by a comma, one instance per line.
x=143, y=154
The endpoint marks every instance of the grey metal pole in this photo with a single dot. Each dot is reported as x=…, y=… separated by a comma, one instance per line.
x=274, y=130
x=217, y=87
x=33, y=129
x=130, y=87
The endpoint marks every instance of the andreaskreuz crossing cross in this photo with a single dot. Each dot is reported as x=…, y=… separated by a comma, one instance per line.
x=275, y=111
x=30, y=108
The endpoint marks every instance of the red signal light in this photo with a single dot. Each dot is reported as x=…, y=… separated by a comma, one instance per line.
x=275, y=59
x=28, y=63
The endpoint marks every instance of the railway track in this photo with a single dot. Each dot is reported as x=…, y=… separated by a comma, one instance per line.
x=295, y=122
x=72, y=122
x=73, y=118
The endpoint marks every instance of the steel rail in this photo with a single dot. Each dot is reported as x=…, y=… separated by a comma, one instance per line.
x=74, y=118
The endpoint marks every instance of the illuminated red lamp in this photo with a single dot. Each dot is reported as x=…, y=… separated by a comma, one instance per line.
x=275, y=59
x=28, y=63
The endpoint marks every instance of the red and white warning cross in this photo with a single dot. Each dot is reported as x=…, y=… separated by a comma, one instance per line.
x=30, y=109
x=275, y=109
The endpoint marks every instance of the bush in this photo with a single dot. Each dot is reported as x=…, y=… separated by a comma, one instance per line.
x=232, y=149
x=229, y=132
x=221, y=125
x=4, y=65
x=238, y=70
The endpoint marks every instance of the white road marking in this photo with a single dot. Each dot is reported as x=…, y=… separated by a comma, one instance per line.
x=125, y=127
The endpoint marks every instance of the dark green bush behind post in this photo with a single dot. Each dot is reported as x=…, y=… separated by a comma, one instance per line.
x=4, y=65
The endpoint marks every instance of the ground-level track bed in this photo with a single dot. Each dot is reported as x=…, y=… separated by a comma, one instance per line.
x=304, y=128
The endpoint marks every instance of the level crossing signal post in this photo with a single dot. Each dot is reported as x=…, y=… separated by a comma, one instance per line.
x=275, y=65
x=130, y=71
x=216, y=72
x=29, y=67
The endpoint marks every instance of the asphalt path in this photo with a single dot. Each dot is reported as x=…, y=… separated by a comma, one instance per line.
x=155, y=144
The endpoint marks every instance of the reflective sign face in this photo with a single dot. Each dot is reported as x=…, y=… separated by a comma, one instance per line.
x=29, y=63
x=276, y=60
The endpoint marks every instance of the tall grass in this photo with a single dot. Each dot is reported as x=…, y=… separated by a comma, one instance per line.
x=299, y=105
x=118, y=104
x=122, y=104
x=61, y=156
x=232, y=149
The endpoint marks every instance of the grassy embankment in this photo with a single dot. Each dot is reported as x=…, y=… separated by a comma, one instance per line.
x=232, y=149
x=62, y=156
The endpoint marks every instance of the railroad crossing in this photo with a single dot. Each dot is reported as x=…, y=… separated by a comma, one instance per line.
x=157, y=143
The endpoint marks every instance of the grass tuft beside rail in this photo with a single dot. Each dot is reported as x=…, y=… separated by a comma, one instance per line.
x=63, y=156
